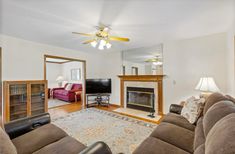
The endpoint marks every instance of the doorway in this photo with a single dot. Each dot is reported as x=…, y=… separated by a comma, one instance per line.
x=66, y=81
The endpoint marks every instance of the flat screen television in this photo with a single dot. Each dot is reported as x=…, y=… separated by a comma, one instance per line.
x=98, y=86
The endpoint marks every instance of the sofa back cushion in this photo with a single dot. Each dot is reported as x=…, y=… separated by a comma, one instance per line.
x=220, y=139
x=77, y=87
x=212, y=99
x=199, y=137
x=215, y=113
x=6, y=146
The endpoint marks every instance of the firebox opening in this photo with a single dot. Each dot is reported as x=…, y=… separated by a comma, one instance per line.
x=140, y=98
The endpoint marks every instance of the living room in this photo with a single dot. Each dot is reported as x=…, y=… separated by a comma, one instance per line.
x=196, y=40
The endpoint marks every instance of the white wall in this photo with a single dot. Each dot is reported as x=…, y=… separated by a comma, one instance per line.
x=111, y=68
x=24, y=59
x=185, y=61
x=53, y=71
x=231, y=59
x=66, y=71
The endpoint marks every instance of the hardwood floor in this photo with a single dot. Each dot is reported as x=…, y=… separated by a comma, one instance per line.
x=73, y=107
x=65, y=109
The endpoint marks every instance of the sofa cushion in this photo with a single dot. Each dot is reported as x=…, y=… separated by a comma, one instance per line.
x=200, y=149
x=178, y=120
x=220, y=139
x=153, y=145
x=61, y=92
x=38, y=138
x=6, y=146
x=215, y=113
x=199, y=137
x=175, y=135
x=230, y=98
x=212, y=99
x=65, y=145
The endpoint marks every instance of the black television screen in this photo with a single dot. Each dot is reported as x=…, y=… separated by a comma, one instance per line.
x=98, y=86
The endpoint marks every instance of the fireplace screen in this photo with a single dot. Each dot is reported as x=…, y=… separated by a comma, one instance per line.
x=140, y=98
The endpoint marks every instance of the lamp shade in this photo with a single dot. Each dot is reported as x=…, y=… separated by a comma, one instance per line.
x=207, y=84
x=60, y=78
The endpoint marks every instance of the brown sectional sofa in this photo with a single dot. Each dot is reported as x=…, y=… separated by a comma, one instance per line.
x=36, y=135
x=214, y=132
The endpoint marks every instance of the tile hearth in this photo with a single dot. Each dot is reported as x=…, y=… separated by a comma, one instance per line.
x=138, y=114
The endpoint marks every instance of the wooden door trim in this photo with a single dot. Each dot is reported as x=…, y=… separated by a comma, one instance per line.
x=70, y=59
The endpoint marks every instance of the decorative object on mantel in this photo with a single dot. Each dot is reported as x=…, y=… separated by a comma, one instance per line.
x=59, y=80
x=102, y=38
x=158, y=79
x=207, y=86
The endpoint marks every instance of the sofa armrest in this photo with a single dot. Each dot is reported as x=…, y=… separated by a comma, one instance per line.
x=175, y=108
x=25, y=125
x=97, y=148
x=73, y=91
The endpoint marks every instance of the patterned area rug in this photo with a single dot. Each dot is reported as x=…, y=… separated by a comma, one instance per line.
x=123, y=134
x=55, y=103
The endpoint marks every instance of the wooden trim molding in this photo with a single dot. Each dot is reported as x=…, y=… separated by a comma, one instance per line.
x=68, y=60
x=144, y=78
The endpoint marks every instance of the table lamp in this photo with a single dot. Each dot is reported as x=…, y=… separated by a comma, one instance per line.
x=59, y=80
x=207, y=86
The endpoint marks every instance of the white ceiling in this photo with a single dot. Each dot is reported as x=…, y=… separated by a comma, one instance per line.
x=56, y=60
x=145, y=22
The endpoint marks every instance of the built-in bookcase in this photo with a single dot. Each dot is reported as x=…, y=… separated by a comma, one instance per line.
x=24, y=98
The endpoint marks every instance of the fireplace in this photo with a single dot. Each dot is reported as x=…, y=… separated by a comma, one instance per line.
x=140, y=98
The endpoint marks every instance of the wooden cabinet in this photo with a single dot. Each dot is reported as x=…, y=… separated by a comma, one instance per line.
x=24, y=98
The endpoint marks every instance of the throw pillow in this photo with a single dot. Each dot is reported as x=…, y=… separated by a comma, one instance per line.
x=192, y=109
x=69, y=86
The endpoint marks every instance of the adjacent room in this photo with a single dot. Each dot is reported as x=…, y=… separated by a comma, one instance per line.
x=65, y=79
x=117, y=77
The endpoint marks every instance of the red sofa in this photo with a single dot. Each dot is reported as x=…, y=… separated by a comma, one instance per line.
x=67, y=95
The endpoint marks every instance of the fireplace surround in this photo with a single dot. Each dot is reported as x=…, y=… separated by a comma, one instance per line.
x=157, y=83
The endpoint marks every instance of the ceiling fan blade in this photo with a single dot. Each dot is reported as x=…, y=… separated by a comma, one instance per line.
x=115, y=38
x=88, y=41
x=84, y=34
x=150, y=60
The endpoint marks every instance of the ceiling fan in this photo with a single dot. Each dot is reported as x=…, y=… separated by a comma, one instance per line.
x=157, y=60
x=102, y=38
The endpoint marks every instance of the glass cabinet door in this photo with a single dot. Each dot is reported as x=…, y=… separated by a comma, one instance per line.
x=18, y=101
x=37, y=99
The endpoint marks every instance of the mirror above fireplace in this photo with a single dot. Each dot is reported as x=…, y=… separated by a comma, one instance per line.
x=143, y=61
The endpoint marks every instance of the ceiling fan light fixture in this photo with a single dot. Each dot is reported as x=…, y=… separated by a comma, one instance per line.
x=157, y=63
x=101, y=47
x=108, y=45
x=102, y=43
x=94, y=43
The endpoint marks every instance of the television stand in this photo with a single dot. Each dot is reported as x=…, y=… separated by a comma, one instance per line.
x=97, y=100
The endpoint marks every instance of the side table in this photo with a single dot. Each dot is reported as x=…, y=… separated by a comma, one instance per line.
x=76, y=94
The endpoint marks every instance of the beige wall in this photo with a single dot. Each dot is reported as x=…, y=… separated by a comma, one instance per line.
x=185, y=61
x=231, y=60
x=24, y=60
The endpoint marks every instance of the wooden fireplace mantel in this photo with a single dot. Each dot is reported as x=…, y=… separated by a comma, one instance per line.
x=144, y=78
